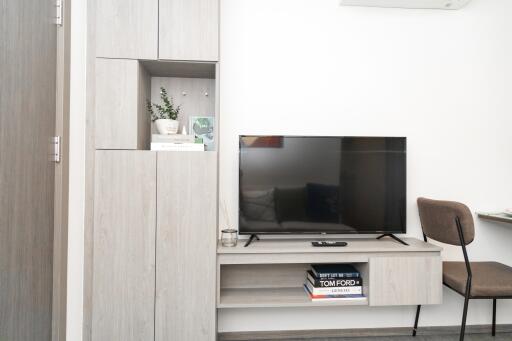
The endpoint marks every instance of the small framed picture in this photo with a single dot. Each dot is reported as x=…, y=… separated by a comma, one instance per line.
x=203, y=127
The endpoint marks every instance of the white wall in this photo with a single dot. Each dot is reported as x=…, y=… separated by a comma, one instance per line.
x=74, y=318
x=441, y=78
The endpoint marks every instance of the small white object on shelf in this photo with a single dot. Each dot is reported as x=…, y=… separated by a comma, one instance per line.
x=178, y=147
x=184, y=130
x=167, y=126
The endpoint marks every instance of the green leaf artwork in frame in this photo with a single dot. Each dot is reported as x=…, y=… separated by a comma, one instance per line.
x=204, y=127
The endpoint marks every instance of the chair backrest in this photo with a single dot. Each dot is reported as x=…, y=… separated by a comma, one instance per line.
x=439, y=221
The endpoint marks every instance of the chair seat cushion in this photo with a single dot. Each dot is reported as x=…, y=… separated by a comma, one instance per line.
x=490, y=279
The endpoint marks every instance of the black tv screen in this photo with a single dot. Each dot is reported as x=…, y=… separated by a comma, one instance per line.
x=305, y=184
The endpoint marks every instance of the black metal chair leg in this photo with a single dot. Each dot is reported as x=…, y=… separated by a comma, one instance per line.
x=464, y=316
x=494, y=317
x=416, y=320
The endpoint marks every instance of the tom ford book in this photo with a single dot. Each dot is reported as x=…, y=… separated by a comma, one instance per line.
x=334, y=290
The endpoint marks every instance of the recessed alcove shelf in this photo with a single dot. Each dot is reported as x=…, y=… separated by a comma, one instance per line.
x=162, y=68
x=273, y=285
x=123, y=86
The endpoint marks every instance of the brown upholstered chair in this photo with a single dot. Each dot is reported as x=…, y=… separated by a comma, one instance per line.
x=452, y=223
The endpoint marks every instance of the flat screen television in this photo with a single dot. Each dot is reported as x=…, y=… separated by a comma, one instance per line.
x=322, y=185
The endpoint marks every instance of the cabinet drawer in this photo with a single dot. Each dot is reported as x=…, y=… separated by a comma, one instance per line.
x=405, y=280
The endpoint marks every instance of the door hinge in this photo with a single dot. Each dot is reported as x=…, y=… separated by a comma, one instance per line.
x=58, y=16
x=55, y=149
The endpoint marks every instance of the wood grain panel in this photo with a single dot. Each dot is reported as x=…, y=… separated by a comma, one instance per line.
x=186, y=242
x=90, y=153
x=276, y=298
x=61, y=211
x=291, y=258
x=405, y=280
x=355, y=245
x=143, y=118
x=127, y=29
x=189, y=30
x=263, y=276
x=28, y=46
x=124, y=246
x=122, y=88
x=181, y=69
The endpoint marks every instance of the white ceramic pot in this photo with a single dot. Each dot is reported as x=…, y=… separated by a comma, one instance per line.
x=167, y=126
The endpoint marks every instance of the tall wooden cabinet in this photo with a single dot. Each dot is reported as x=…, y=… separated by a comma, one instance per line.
x=158, y=29
x=151, y=226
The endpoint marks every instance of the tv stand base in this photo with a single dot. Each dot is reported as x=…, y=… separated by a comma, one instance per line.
x=394, y=237
x=250, y=240
x=277, y=269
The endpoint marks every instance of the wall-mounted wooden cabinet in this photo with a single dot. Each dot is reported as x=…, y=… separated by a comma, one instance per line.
x=189, y=30
x=272, y=274
x=127, y=29
x=152, y=29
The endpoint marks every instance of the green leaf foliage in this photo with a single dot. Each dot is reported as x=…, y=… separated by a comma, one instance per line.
x=165, y=110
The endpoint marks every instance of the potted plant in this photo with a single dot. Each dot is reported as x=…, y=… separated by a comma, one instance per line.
x=166, y=115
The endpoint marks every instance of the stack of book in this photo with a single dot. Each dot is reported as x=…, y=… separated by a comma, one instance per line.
x=333, y=282
x=175, y=142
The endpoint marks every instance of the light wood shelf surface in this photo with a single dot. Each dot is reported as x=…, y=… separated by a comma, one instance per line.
x=499, y=217
x=275, y=297
x=355, y=245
